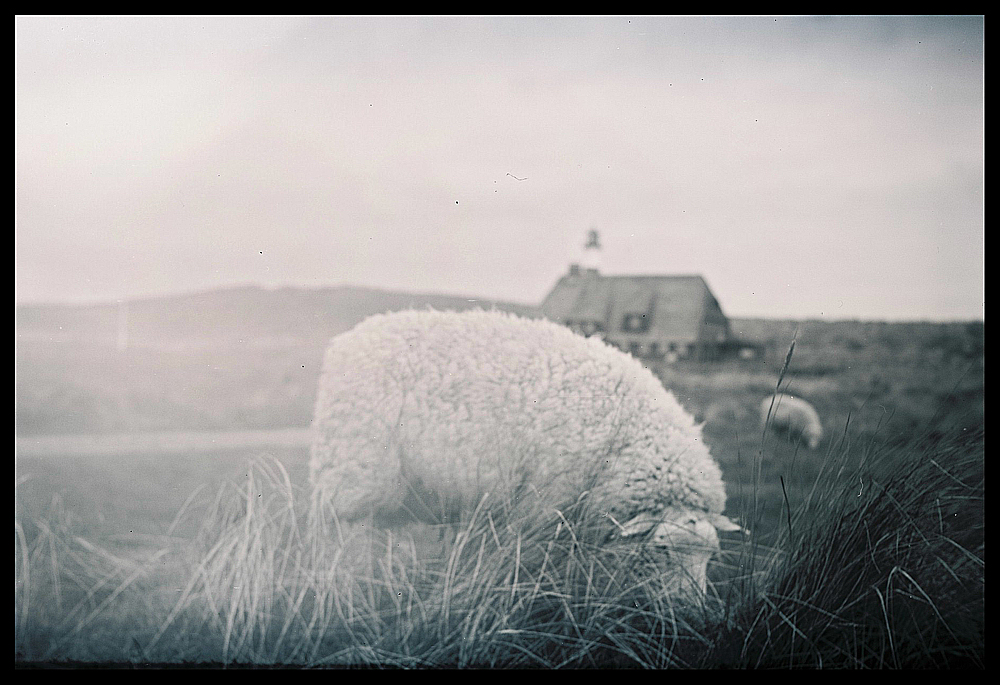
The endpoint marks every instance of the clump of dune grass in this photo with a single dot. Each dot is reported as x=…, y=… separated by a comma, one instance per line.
x=882, y=567
x=505, y=587
x=74, y=599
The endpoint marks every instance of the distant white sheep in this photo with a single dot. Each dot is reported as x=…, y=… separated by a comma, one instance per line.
x=463, y=404
x=793, y=416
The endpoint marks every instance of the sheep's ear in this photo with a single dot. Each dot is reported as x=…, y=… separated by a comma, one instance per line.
x=642, y=523
x=726, y=524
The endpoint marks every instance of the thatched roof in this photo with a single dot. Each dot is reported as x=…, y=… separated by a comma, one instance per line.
x=654, y=308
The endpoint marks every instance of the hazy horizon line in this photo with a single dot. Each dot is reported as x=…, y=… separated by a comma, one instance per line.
x=95, y=302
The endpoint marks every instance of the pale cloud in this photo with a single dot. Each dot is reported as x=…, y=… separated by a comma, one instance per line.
x=163, y=155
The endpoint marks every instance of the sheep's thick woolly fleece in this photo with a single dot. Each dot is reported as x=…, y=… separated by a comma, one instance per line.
x=467, y=403
x=793, y=415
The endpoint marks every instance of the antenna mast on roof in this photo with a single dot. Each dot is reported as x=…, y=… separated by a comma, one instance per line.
x=591, y=259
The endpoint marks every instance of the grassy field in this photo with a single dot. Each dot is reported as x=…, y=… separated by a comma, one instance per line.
x=880, y=565
x=196, y=548
x=183, y=545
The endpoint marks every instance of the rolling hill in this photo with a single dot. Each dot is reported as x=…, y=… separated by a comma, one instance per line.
x=248, y=358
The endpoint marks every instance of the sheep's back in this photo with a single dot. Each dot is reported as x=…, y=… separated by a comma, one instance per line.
x=464, y=402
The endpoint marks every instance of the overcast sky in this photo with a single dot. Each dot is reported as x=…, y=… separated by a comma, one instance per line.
x=806, y=167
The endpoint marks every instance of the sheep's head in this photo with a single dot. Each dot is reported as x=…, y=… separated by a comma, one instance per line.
x=688, y=536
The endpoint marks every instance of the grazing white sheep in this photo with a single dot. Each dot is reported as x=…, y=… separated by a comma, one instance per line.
x=446, y=407
x=792, y=416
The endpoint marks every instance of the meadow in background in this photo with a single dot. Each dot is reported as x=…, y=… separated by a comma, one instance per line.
x=867, y=552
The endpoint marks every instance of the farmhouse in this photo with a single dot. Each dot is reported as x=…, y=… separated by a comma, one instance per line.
x=652, y=317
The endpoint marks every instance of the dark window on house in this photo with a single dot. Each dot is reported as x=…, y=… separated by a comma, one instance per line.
x=654, y=350
x=635, y=349
x=635, y=323
x=673, y=347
